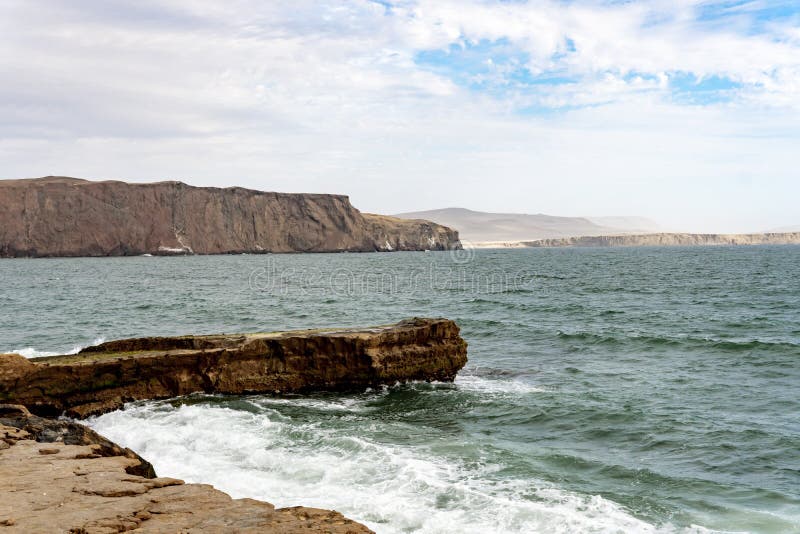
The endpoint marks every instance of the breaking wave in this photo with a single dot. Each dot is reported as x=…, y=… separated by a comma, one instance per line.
x=289, y=461
x=30, y=352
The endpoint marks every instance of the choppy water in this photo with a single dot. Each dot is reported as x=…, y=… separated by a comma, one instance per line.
x=614, y=390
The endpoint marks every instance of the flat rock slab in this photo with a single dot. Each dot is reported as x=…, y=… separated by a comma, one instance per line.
x=102, y=378
x=88, y=489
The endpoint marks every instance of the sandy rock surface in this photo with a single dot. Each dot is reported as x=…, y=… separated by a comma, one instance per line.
x=50, y=487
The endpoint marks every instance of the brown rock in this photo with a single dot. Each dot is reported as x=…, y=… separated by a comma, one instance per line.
x=13, y=366
x=102, y=378
x=65, y=493
x=13, y=410
x=17, y=424
x=58, y=216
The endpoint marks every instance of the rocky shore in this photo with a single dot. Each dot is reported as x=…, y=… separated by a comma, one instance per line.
x=59, y=475
x=60, y=216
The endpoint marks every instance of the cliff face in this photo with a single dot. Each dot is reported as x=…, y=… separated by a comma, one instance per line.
x=56, y=216
x=60, y=476
x=102, y=378
x=670, y=239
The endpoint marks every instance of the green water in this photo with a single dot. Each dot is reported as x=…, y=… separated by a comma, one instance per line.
x=608, y=390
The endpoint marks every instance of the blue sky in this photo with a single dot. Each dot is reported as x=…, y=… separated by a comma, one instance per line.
x=685, y=111
x=503, y=67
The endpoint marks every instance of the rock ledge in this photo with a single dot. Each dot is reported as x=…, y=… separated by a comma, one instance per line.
x=60, y=476
x=102, y=378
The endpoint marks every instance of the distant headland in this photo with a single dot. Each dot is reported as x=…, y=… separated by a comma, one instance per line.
x=519, y=230
x=669, y=240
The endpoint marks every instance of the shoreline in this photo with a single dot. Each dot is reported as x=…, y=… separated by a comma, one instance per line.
x=664, y=239
x=62, y=473
x=83, y=482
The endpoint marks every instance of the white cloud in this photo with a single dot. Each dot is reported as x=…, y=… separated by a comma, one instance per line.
x=329, y=97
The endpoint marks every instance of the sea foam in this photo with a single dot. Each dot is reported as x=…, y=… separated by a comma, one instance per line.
x=389, y=487
x=30, y=352
x=495, y=386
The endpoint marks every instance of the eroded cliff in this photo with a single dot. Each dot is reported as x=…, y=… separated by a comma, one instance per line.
x=59, y=216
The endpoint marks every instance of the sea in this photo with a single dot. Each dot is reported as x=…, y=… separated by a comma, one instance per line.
x=652, y=390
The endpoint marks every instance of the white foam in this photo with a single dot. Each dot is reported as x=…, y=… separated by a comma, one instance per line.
x=496, y=385
x=345, y=404
x=391, y=488
x=172, y=250
x=30, y=352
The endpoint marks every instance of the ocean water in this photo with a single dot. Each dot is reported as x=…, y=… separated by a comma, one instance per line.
x=608, y=390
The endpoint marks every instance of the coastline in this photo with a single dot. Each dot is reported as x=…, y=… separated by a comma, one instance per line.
x=549, y=364
x=82, y=482
x=647, y=240
x=61, y=473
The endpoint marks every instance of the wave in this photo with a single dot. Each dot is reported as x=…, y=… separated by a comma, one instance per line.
x=31, y=352
x=549, y=276
x=752, y=344
x=720, y=344
x=391, y=488
x=333, y=404
x=494, y=372
x=511, y=290
x=496, y=381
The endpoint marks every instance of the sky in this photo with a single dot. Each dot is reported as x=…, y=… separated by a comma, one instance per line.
x=684, y=111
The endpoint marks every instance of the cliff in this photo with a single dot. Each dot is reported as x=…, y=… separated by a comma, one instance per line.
x=104, y=377
x=60, y=476
x=669, y=240
x=59, y=216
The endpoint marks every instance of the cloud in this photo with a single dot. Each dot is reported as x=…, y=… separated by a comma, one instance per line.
x=562, y=107
x=591, y=42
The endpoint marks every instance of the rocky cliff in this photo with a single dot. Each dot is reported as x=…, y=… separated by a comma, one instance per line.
x=58, y=216
x=102, y=378
x=60, y=476
x=669, y=239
